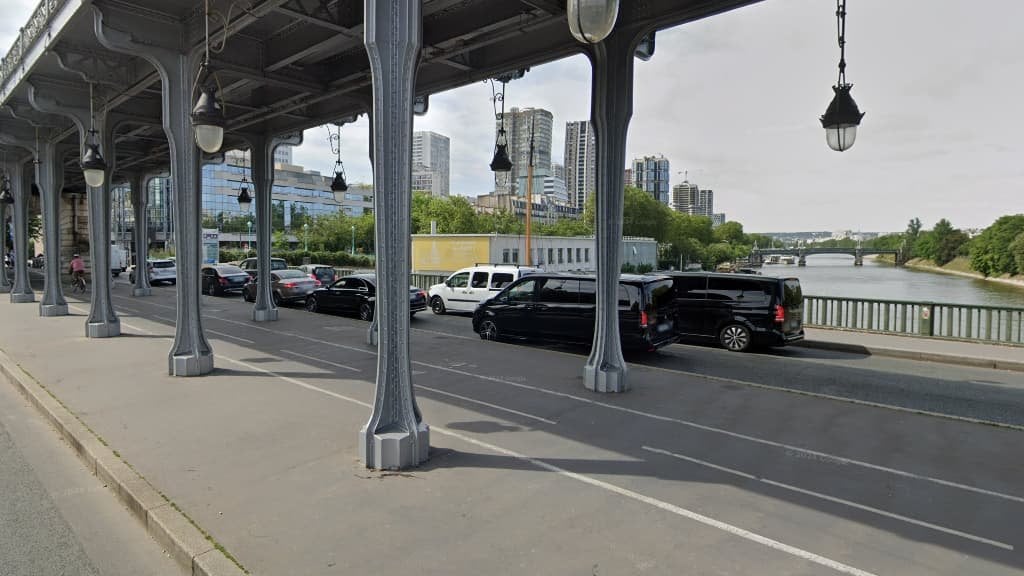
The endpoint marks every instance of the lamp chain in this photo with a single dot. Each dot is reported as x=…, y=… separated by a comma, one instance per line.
x=841, y=26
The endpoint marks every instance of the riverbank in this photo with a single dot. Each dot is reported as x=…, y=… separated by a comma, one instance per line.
x=959, y=266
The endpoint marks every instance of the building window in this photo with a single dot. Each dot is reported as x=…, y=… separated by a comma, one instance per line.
x=539, y=257
x=568, y=255
x=578, y=252
x=560, y=257
x=515, y=255
x=551, y=255
x=586, y=255
x=505, y=256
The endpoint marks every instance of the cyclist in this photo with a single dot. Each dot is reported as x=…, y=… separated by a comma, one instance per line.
x=77, y=271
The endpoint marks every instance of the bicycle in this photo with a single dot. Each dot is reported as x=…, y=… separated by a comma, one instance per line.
x=78, y=284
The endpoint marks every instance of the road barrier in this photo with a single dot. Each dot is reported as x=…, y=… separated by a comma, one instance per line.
x=1000, y=324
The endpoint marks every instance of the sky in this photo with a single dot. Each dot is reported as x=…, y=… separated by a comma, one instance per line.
x=735, y=101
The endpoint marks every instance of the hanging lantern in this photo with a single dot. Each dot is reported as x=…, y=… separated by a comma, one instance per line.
x=338, y=185
x=501, y=162
x=208, y=120
x=244, y=199
x=591, y=21
x=94, y=167
x=842, y=116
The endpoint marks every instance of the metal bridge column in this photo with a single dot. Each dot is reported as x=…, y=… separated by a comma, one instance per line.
x=21, y=292
x=262, y=157
x=610, y=111
x=53, y=302
x=395, y=436
x=5, y=283
x=140, y=204
x=191, y=353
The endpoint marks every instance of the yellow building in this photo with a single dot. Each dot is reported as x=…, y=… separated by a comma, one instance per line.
x=442, y=253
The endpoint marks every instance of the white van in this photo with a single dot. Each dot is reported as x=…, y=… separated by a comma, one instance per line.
x=467, y=288
x=118, y=259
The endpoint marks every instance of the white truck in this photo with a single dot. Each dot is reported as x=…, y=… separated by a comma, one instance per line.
x=118, y=259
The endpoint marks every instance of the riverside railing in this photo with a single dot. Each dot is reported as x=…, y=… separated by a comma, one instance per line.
x=1000, y=324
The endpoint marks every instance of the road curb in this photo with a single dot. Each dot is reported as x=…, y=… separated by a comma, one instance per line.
x=190, y=547
x=972, y=361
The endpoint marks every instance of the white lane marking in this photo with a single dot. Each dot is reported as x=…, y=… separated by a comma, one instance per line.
x=488, y=404
x=706, y=428
x=123, y=323
x=151, y=303
x=446, y=334
x=806, y=492
x=223, y=335
x=321, y=360
x=660, y=504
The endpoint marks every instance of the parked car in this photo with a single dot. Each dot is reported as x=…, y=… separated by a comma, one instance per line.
x=738, y=311
x=158, y=270
x=562, y=308
x=358, y=294
x=464, y=290
x=249, y=265
x=118, y=259
x=220, y=279
x=322, y=273
x=285, y=286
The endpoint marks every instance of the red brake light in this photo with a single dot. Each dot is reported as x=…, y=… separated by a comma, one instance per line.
x=780, y=314
x=289, y=285
x=643, y=319
x=223, y=281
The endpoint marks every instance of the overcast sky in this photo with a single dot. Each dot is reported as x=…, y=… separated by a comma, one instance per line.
x=735, y=100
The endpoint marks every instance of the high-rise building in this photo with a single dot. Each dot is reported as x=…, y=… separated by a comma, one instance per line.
x=627, y=177
x=519, y=124
x=580, y=162
x=717, y=219
x=431, y=154
x=651, y=174
x=283, y=154
x=554, y=185
x=688, y=198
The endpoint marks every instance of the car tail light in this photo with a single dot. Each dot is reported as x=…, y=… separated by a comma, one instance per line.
x=643, y=319
x=289, y=284
x=780, y=314
x=423, y=294
x=223, y=281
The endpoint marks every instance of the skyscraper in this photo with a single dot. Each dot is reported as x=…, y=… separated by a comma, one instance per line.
x=518, y=123
x=688, y=198
x=431, y=154
x=651, y=174
x=580, y=162
x=554, y=185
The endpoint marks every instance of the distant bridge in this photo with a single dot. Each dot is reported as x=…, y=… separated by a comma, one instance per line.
x=759, y=255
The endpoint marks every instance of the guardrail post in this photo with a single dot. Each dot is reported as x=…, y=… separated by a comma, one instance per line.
x=925, y=326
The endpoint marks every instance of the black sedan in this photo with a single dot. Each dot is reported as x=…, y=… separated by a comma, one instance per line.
x=358, y=294
x=220, y=279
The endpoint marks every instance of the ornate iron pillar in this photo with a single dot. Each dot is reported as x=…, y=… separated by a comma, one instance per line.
x=140, y=204
x=5, y=283
x=191, y=353
x=610, y=111
x=53, y=302
x=22, y=291
x=262, y=158
x=396, y=436
x=103, y=321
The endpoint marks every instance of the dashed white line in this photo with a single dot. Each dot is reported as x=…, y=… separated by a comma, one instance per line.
x=811, y=493
x=488, y=404
x=631, y=494
x=321, y=360
x=223, y=335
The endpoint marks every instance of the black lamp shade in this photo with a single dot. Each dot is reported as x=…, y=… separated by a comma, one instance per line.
x=94, y=167
x=208, y=120
x=841, y=119
x=501, y=161
x=244, y=199
x=339, y=186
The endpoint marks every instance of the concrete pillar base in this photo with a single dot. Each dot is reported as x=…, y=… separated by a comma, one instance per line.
x=103, y=329
x=605, y=379
x=49, y=310
x=395, y=450
x=142, y=292
x=5, y=289
x=191, y=365
x=268, y=315
x=20, y=298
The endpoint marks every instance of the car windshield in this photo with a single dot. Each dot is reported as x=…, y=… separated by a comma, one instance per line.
x=291, y=274
x=230, y=270
x=277, y=264
x=163, y=264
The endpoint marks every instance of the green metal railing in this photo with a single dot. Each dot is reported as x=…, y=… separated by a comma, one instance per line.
x=416, y=279
x=1000, y=324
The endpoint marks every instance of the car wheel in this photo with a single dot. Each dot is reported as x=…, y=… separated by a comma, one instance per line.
x=365, y=312
x=489, y=331
x=437, y=305
x=131, y=278
x=277, y=300
x=735, y=338
x=204, y=288
x=311, y=304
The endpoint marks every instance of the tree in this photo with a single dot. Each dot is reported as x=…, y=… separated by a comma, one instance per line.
x=990, y=251
x=643, y=215
x=730, y=233
x=1017, y=249
x=946, y=242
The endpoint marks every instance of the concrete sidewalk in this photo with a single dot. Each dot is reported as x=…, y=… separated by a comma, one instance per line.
x=976, y=354
x=529, y=473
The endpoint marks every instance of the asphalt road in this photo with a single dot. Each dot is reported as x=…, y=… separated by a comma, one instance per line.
x=55, y=517
x=705, y=437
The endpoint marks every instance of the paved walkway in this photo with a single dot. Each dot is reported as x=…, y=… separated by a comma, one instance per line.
x=529, y=473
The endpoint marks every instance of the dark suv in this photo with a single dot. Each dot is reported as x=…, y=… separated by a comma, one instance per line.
x=562, y=307
x=737, y=310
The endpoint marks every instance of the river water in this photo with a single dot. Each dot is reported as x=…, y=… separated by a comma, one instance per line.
x=828, y=275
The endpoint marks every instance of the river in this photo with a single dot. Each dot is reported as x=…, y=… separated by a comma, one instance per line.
x=828, y=275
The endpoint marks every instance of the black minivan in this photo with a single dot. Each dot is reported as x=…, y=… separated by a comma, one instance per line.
x=562, y=307
x=737, y=310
